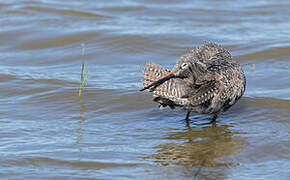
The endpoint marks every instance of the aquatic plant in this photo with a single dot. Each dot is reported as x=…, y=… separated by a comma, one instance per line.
x=84, y=75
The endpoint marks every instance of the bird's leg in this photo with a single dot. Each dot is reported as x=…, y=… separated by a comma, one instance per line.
x=213, y=118
x=187, y=118
x=187, y=115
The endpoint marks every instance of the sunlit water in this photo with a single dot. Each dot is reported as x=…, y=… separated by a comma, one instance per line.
x=116, y=132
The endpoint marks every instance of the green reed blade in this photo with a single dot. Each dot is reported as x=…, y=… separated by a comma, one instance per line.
x=83, y=78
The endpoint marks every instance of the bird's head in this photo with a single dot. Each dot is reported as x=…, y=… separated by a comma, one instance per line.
x=188, y=66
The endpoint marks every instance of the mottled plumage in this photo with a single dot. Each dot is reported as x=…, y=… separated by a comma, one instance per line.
x=205, y=80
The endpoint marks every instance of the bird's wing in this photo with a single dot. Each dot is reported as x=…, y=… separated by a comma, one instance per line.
x=171, y=89
x=202, y=94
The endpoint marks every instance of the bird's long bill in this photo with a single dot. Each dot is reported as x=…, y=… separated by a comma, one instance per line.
x=160, y=81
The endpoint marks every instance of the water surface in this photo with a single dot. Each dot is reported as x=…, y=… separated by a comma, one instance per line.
x=116, y=132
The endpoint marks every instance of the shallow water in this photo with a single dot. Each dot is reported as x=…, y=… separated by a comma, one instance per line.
x=116, y=132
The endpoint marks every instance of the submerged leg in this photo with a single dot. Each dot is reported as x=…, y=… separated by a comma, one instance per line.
x=187, y=115
x=187, y=118
x=213, y=118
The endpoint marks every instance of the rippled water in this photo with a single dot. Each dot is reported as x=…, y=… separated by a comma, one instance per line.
x=116, y=132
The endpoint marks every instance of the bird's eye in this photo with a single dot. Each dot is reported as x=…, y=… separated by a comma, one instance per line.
x=184, y=65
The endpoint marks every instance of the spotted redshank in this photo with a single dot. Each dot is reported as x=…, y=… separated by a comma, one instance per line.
x=205, y=80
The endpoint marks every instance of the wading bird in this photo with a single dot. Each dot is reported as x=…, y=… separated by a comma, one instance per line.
x=205, y=80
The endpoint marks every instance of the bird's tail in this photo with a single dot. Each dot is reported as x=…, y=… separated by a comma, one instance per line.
x=170, y=88
x=152, y=73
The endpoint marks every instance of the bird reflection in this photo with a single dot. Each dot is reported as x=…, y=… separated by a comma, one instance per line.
x=201, y=146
